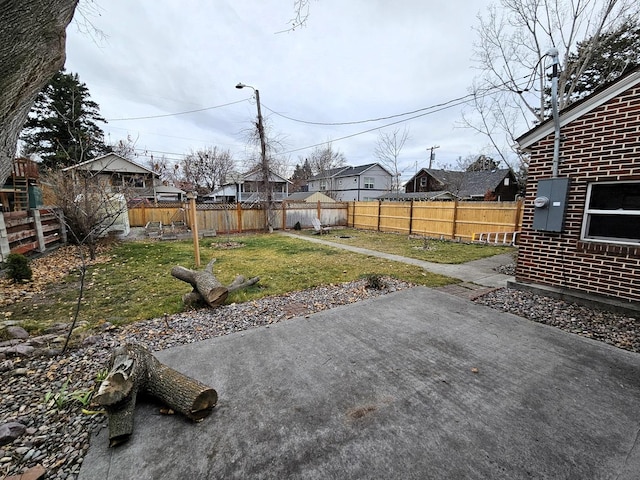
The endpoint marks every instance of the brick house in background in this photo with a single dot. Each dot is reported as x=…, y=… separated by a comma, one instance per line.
x=585, y=242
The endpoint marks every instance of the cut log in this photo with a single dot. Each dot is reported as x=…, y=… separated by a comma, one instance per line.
x=134, y=369
x=206, y=287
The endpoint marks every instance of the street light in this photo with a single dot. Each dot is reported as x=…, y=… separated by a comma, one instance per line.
x=263, y=155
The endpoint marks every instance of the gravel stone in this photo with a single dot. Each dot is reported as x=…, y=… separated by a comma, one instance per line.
x=59, y=438
x=619, y=330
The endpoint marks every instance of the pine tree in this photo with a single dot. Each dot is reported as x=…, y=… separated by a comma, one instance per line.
x=63, y=124
x=301, y=175
x=614, y=52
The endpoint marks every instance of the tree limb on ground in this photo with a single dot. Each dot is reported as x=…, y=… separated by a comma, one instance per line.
x=132, y=370
x=206, y=287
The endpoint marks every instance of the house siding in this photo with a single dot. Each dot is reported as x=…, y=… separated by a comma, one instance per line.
x=602, y=145
x=348, y=188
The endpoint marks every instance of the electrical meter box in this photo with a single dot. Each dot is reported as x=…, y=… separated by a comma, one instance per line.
x=550, y=204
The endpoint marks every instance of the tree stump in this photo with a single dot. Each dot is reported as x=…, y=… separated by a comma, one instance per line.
x=134, y=369
x=206, y=287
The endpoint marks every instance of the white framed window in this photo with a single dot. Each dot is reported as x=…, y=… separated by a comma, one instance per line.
x=423, y=181
x=612, y=213
x=323, y=184
x=369, y=182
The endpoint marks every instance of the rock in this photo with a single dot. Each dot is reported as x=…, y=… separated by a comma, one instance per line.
x=21, y=350
x=6, y=365
x=91, y=340
x=17, y=332
x=10, y=431
x=34, y=473
x=19, y=372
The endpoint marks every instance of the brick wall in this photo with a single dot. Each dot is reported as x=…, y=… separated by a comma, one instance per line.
x=601, y=145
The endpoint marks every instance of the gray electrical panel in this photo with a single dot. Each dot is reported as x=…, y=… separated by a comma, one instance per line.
x=550, y=204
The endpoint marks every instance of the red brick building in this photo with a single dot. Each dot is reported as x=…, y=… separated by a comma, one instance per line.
x=590, y=247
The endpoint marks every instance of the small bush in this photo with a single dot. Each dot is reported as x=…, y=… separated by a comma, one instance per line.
x=297, y=226
x=375, y=282
x=18, y=268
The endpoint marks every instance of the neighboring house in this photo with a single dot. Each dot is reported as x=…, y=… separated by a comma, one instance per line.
x=168, y=193
x=249, y=188
x=581, y=228
x=499, y=185
x=418, y=197
x=309, y=197
x=346, y=184
x=121, y=175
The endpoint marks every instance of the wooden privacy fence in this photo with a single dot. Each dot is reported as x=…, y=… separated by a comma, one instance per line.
x=237, y=218
x=452, y=220
x=30, y=231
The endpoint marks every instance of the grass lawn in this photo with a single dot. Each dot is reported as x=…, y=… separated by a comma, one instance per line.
x=136, y=284
x=438, y=251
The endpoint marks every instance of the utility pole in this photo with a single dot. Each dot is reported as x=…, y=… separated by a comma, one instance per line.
x=263, y=160
x=432, y=156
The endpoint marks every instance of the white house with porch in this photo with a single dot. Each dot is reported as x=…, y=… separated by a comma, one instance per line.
x=125, y=176
x=249, y=188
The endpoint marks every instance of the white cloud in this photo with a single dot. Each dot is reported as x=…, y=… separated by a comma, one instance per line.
x=354, y=60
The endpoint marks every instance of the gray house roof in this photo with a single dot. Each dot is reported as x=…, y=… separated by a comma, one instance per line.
x=469, y=184
x=346, y=171
x=406, y=197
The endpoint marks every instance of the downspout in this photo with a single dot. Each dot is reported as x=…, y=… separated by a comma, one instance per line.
x=553, y=53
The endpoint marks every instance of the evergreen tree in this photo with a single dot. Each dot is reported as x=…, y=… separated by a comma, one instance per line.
x=63, y=124
x=613, y=53
x=301, y=175
x=483, y=163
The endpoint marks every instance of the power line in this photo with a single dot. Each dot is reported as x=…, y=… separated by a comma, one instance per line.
x=381, y=126
x=469, y=96
x=432, y=109
x=174, y=114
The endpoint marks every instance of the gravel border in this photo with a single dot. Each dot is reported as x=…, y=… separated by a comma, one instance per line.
x=58, y=439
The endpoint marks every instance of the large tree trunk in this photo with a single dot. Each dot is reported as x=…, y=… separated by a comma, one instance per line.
x=206, y=287
x=32, y=50
x=134, y=369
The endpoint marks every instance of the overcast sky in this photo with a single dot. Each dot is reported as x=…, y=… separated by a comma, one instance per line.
x=354, y=60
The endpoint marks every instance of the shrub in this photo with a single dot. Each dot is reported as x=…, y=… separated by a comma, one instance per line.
x=375, y=282
x=297, y=226
x=18, y=268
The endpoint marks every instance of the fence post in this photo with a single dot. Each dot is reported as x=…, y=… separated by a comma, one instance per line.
x=37, y=222
x=455, y=220
x=239, y=213
x=411, y=217
x=318, y=211
x=5, y=249
x=516, y=220
x=284, y=215
x=63, y=226
x=379, y=212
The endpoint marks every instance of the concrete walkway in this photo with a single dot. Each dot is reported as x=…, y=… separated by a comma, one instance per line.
x=479, y=272
x=417, y=384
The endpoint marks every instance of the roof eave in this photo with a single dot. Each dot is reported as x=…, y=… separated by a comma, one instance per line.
x=579, y=108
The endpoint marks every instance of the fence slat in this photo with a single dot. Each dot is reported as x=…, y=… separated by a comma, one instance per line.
x=458, y=220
